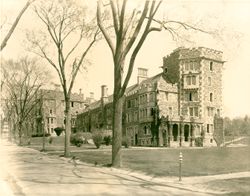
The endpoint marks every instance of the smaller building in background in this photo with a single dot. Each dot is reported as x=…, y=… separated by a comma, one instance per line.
x=50, y=110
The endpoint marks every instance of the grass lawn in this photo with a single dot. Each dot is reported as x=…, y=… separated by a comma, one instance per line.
x=164, y=161
x=237, y=186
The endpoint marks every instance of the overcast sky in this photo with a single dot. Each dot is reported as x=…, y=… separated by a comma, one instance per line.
x=230, y=17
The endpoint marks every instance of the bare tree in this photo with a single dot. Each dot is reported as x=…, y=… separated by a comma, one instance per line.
x=23, y=80
x=125, y=30
x=67, y=28
x=14, y=25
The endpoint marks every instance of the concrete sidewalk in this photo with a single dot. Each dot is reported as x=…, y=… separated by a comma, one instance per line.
x=25, y=171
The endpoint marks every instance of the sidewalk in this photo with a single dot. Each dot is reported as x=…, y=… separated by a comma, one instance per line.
x=25, y=171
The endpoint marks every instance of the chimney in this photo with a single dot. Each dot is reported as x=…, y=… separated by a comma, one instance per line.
x=104, y=91
x=81, y=94
x=91, y=97
x=142, y=74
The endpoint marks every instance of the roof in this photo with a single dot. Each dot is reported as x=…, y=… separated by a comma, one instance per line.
x=55, y=94
x=129, y=90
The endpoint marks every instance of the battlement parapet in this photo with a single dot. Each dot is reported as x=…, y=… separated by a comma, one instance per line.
x=199, y=52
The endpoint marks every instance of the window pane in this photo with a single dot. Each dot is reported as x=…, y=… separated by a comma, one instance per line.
x=194, y=80
x=196, y=111
x=188, y=80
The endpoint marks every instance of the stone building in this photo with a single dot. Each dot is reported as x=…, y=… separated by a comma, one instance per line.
x=178, y=107
x=50, y=110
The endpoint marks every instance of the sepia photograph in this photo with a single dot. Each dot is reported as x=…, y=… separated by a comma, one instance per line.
x=125, y=97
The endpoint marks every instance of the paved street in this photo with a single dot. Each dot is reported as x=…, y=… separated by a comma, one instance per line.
x=25, y=171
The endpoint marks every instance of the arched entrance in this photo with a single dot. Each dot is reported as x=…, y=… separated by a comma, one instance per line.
x=186, y=133
x=175, y=132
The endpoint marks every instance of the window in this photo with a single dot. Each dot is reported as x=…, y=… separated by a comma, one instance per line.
x=196, y=66
x=211, y=97
x=151, y=97
x=209, y=81
x=129, y=104
x=195, y=96
x=193, y=80
x=145, y=130
x=191, y=65
x=152, y=112
x=52, y=130
x=135, y=116
x=190, y=98
x=50, y=111
x=211, y=66
x=218, y=112
x=165, y=70
x=186, y=67
x=210, y=111
x=51, y=120
x=166, y=95
x=170, y=111
x=73, y=122
x=136, y=102
x=191, y=111
x=194, y=111
x=188, y=80
x=208, y=128
x=72, y=104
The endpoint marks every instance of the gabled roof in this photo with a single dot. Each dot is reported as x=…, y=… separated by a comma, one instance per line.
x=55, y=94
x=129, y=91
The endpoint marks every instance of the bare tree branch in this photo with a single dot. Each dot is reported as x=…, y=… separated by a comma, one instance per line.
x=14, y=25
x=102, y=28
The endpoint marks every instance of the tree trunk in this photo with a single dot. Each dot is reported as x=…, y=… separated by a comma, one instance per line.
x=20, y=133
x=67, y=128
x=117, y=132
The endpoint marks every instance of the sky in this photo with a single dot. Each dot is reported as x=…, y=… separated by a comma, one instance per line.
x=231, y=19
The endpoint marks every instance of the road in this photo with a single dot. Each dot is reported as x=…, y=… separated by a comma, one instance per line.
x=25, y=171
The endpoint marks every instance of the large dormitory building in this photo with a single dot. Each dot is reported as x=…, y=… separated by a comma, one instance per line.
x=173, y=108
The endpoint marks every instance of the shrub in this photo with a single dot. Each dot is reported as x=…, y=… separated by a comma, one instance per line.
x=126, y=142
x=198, y=141
x=107, y=140
x=47, y=134
x=50, y=140
x=76, y=139
x=58, y=130
x=97, y=139
x=40, y=135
